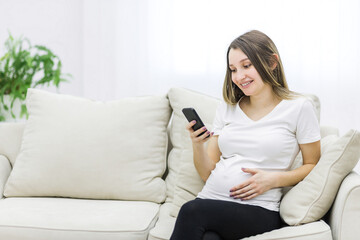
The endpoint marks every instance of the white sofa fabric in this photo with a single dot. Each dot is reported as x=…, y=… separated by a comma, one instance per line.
x=11, y=138
x=63, y=218
x=75, y=147
x=344, y=215
x=46, y=217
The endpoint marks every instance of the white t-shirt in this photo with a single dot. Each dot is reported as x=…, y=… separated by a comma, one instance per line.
x=270, y=143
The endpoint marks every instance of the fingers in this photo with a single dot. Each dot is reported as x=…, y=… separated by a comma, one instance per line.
x=200, y=131
x=260, y=182
x=244, y=193
x=240, y=186
x=190, y=125
x=252, y=171
x=246, y=190
x=199, y=135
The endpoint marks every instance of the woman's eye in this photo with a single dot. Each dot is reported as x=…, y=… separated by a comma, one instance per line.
x=247, y=65
x=232, y=70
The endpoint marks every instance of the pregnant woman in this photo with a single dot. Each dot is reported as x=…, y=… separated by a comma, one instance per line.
x=258, y=130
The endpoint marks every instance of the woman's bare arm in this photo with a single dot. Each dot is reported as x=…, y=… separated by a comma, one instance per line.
x=204, y=159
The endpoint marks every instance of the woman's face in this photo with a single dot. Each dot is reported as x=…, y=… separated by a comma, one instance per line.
x=244, y=74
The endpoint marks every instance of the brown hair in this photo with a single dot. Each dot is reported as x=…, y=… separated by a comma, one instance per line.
x=260, y=50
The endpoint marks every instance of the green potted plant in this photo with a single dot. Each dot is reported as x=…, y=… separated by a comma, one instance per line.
x=25, y=66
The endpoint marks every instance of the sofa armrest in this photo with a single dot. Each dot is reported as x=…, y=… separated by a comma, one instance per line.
x=345, y=212
x=5, y=169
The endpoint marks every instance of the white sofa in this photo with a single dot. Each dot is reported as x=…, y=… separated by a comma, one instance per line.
x=81, y=169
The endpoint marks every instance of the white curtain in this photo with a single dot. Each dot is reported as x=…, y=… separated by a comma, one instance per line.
x=125, y=48
x=135, y=47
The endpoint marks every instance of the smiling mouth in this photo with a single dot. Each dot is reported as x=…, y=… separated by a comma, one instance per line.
x=246, y=84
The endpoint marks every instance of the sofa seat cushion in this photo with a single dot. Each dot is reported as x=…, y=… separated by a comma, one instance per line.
x=315, y=231
x=165, y=224
x=63, y=218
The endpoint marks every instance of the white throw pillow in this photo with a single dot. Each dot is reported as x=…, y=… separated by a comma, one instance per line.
x=183, y=181
x=75, y=147
x=311, y=198
x=298, y=162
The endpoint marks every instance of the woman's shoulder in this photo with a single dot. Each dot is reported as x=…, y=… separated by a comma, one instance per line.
x=303, y=103
x=299, y=100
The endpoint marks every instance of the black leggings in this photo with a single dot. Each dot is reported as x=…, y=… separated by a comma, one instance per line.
x=208, y=219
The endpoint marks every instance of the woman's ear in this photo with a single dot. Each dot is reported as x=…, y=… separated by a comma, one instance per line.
x=275, y=61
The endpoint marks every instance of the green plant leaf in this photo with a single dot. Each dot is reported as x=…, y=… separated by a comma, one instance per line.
x=24, y=111
x=24, y=66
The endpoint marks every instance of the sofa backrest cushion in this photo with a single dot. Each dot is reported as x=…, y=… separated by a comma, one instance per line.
x=183, y=181
x=10, y=139
x=75, y=147
x=310, y=199
x=5, y=169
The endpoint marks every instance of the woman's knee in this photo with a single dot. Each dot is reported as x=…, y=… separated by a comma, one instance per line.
x=191, y=208
x=211, y=236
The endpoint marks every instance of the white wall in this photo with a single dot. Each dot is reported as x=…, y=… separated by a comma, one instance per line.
x=121, y=48
x=57, y=24
x=146, y=47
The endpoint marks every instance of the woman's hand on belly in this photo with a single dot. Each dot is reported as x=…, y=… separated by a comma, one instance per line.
x=260, y=182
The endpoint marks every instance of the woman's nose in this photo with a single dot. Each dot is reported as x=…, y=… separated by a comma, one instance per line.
x=238, y=76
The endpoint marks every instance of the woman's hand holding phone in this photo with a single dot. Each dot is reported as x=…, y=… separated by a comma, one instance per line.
x=196, y=127
x=199, y=136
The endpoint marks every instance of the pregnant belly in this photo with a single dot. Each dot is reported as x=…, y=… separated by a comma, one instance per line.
x=226, y=175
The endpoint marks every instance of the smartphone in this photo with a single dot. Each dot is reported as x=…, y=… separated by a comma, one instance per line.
x=191, y=115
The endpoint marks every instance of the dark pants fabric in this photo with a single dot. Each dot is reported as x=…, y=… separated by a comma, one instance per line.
x=207, y=219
